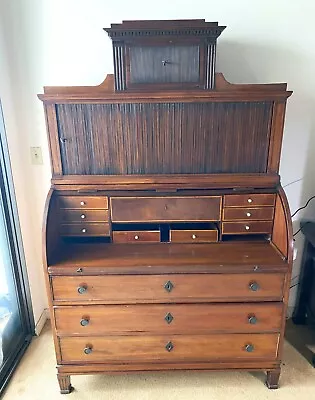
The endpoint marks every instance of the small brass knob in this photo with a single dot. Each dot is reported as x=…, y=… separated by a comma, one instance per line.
x=252, y=320
x=136, y=237
x=249, y=200
x=88, y=350
x=82, y=289
x=249, y=348
x=83, y=216
x=248, y=214
x=79, y=270
x=83, y=230
x=254, y=286
x=84, y=322
x=194, y=236
x=82, y=203
x=247, y=227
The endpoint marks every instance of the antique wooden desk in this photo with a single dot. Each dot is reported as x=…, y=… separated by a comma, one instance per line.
x=167, y=235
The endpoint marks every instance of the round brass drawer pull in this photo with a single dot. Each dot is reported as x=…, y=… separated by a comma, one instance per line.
x=79, y=270
x=252, y=320
x=194, y=236
x=248, y=214
x=136, y=237
x=249, y=348
x=82, y=289
x=249, y=200
x=254, y=286
x=83, y=230
x=82, y=203
x=83, y=216
x=88, y=350
x=84, y=322
x=247, y=227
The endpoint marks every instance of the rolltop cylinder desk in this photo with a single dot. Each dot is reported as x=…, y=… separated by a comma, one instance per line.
x=167, y=239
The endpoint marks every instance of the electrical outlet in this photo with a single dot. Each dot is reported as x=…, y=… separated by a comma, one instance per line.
x=36, y=155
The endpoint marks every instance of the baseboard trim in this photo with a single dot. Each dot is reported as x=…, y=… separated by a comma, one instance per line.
x=41, y=321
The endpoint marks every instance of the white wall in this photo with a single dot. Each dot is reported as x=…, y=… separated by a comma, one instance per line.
x=61, y=42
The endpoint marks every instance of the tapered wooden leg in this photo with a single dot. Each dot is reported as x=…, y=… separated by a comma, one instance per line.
x=272, y=380
x=64, y=383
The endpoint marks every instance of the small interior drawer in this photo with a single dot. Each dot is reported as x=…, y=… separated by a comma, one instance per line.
x=247, y=227
x=193, y=236
x=136, y=236
x=83, y=202
x=250, y=214
x=85, y=229
x=246, y=200
x=82, y=216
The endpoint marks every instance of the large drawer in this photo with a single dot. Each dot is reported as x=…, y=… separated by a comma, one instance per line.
x=169, y=348
x=169, y=288
x=165, y=209
x=166, y=319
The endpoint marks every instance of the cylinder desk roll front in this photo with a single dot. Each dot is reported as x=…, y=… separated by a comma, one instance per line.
x=167, y=235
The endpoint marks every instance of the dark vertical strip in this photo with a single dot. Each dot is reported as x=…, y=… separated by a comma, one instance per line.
x=119, y=66
x=210, y=65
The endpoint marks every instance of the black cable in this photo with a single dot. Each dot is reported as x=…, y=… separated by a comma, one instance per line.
x=294, y=285
x=297, y=231
x=301, y=208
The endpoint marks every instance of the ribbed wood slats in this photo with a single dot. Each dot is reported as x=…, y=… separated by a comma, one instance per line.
x=164, y=138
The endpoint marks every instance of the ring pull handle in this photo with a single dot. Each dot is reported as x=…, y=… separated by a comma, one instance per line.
x=254, y=286
x=252, y=320
x=249, y=348
x=88, y=350
x=82, y=289
x=84, y=321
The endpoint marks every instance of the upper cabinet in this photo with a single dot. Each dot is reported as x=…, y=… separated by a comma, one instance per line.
x=178, y=54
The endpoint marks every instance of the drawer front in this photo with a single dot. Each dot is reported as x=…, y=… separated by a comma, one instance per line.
x=169, y=348
x=250, y=214
x=160, y=64
x=166, y=319
x=85, y=229
x=169, y=209
x=169, y=288
x=136, y=236
x=83, y=202
x=193, y=236
x=82, y=216
x=247, y=227
x=245, y=200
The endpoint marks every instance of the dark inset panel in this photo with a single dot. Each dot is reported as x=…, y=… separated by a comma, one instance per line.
x=164, y=138
x=164, y=64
